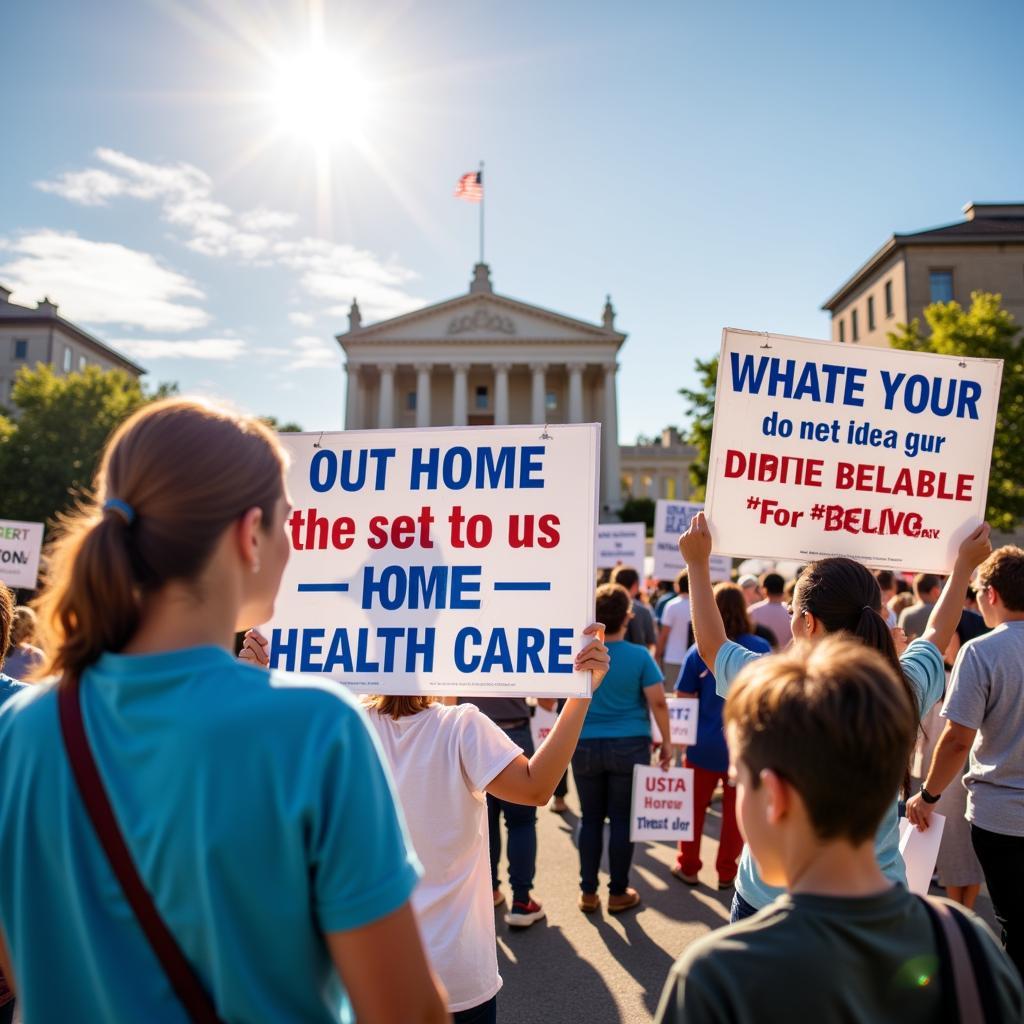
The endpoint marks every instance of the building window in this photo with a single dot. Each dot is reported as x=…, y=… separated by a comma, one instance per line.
x=888, y=298
x=483, y=398
x=670, y=488
x=81, y=364
x=551, y=401
x=940, y=285
x=67, y=360
x=854, y=330
x=842, y=332
x=21, y=348
x=871, y=312
x=410, y=401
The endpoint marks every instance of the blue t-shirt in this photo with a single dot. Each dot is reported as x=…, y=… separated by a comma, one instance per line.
x=257, y=810
x=8, y=688
x=618, y=707
x=923, y=668
x=710, y=750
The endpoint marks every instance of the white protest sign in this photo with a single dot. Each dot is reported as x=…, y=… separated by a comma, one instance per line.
x=541, y=723
x=621, y=544
x=682, y=720
x=440, y=561
x=20, y=544
x=920, y=851
x=873, y=453
x=671, y=518
x=662, y=803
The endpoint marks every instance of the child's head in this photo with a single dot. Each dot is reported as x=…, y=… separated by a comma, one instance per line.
x=613, y=606
x=1003, y=572
x=732, y=606
x=819, y=738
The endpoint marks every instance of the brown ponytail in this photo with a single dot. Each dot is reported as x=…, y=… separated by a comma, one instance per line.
x=185, y=471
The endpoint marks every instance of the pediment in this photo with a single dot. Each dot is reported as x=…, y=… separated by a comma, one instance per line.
x=481, y=317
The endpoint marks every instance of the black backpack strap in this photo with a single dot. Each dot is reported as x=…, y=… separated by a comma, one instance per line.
x=981, y=964
x=947, y=981
x=958, y=963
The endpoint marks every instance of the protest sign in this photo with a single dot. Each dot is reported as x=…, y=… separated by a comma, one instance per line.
x=682, y=719
x=662, y=803
x=621, y=544
x=920, y=851
x=671, y=518
x=441, y=561
x=20, y=544
x=873, y=453
x=541, y=723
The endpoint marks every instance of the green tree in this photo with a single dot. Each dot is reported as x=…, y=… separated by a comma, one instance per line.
x=701, y=410
x=288, y=427
x=985, y=331
x=638, y=510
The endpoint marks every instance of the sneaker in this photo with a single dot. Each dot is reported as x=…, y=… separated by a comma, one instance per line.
x=499, y=897
x=684, y=877
x=590, y=902
x=624, y=901
x=522, y=915
x=558, y=805
x=724, y=886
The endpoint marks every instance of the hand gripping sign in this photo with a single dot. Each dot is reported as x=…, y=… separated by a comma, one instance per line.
x=440, y=561
x=873, y=453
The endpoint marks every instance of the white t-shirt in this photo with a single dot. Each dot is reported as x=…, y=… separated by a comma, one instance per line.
x=676, y=617
x=442, y=759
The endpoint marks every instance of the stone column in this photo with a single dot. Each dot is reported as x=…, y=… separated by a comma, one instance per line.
x=610, y=476
x=423, y=394
x=576, y=392
x=460, y=395
x=539, y=397
x=386, y=397
x=501, y=394
x=353, y=397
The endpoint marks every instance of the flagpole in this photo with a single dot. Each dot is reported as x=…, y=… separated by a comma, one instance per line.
x=481, y=211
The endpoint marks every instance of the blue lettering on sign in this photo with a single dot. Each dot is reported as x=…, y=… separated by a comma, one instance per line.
x=420, y=586
x=349, y=472
x=522, y=652
x=506, y=468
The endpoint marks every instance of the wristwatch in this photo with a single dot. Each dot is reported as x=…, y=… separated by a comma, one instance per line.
x=929, y=798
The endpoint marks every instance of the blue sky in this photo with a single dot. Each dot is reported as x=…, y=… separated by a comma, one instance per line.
x=707, y=164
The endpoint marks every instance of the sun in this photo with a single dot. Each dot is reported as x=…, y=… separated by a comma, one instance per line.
x=321, y=97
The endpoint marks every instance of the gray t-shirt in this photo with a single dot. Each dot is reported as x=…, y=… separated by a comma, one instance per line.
x=986, y=692
x=914, y=619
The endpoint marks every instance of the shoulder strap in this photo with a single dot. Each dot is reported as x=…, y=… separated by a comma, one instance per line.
x=956, y=960
x=179, y=972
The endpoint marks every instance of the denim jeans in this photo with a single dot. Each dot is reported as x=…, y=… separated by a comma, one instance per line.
x=603, y=770
x=521, y=822
x=740, y=909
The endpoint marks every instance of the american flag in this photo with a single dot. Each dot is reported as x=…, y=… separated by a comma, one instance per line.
x=470, y=187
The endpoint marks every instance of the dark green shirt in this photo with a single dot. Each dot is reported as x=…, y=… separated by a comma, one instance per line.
x=822, y=959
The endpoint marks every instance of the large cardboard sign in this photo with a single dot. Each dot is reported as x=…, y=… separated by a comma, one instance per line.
x=873, y=453
x=671, y=518
x=682, y=720
x=20, y=544
x=621, y=544
x=442, y=561
x=662, y=803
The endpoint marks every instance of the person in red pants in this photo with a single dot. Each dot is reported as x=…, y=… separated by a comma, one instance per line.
x=709, y=757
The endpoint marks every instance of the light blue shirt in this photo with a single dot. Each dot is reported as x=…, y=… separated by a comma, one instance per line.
x=257, y=811
x=618, y=708
x=923, y=668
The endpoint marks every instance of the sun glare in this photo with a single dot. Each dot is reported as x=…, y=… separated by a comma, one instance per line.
x=321, y=98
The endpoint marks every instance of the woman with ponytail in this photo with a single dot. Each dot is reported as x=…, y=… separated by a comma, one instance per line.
x=833, y=595
x=256, y=822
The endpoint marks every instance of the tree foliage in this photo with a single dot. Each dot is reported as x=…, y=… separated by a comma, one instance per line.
x=288, y=427
x=638, y=510
x=701, y=410
x=984, y=331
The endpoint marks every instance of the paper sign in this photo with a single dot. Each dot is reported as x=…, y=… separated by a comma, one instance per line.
x=441, y=561
x=682, y=718
x=662, y=804
x=671, y=518
x=541, y=723
x=20, y=544
x=621, y=544
x=873, y=453
x=920, y=851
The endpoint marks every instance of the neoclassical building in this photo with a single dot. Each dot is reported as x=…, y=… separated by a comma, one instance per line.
x=481, y=359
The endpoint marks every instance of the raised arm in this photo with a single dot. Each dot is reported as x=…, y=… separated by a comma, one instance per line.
x=947, y=611
x=708, y=628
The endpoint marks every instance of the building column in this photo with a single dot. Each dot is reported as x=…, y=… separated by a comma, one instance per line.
x=386, y=397
x=611, y=483
x=423, y=394
x=576, y=392
x=538, y=404
x=460, y=395
x=353, y=397
x=501, y=394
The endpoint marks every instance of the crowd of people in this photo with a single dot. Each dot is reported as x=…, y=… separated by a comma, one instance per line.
x=188, y=835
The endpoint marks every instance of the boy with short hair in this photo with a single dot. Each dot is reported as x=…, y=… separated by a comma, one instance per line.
x=819, y=738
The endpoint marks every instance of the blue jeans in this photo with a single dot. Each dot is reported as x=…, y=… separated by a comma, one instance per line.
x=740, y=909
x=521, y=822
x=485, y=1013
x=603, y=770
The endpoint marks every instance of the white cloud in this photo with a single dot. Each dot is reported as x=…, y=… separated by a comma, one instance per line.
x=221, y=349
x=100, y=282
x=311, y=353
x=262, y=219
x=302, y=319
